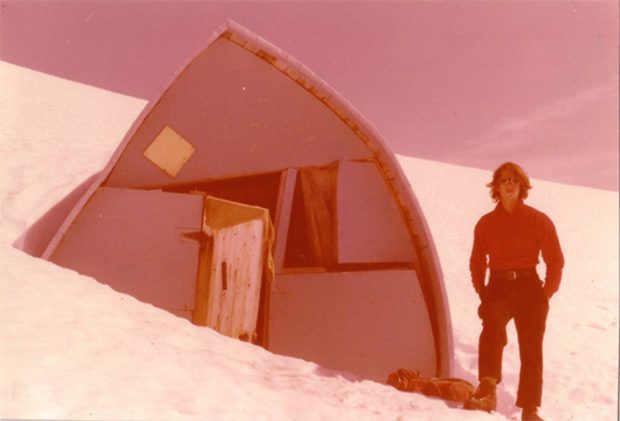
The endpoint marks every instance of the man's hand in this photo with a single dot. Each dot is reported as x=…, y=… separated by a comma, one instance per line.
x=548, y=292
x=478, y=287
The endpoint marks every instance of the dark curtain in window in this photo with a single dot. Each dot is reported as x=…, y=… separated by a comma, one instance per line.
x=319, y=186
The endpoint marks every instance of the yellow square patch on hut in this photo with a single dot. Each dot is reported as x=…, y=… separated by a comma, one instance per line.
x=169, y=151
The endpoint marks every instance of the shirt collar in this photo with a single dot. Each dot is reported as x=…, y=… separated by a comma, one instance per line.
x=518, y=209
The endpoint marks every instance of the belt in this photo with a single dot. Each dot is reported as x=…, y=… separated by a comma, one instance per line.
x=512, y=274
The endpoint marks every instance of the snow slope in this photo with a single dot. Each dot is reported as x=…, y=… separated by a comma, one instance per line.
x=71, y=348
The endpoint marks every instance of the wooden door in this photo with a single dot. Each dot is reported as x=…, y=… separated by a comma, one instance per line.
x=231, y=268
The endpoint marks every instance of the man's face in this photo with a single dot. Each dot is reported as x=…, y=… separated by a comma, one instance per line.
x=509, y=186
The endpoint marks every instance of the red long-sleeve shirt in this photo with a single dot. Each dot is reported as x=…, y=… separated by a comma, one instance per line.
x=513, y=241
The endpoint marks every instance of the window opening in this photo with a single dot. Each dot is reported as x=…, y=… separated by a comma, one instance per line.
x=255, y=190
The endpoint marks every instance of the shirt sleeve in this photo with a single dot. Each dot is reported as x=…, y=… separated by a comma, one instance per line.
x=478, y=259
x=552, y=256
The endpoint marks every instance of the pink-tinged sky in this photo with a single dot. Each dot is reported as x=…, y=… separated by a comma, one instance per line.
x=472, y=83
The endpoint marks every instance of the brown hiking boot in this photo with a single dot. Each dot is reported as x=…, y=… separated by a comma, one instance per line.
x=530, y=414
x=485, y=398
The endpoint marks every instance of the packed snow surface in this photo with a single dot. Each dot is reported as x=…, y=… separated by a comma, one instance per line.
x=72, y=348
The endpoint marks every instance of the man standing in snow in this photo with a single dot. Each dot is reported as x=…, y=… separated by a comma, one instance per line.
x=513, y=236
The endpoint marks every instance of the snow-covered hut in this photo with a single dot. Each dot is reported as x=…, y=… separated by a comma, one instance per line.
x=251, y=198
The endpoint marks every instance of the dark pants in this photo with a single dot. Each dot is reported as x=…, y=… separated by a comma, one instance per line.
x=524, y=300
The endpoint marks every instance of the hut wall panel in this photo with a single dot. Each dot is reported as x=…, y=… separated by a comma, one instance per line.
x=243, y=116
x=365, y=323
x=370, y=225
x=131, y=240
